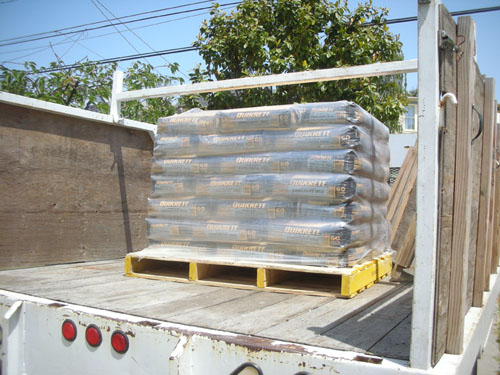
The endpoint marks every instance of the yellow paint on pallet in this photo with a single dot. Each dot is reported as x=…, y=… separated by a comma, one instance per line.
x=340, y=282
x=362, y=277
x=384, y=266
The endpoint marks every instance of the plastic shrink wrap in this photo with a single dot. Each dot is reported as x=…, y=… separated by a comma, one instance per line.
x=298, y=184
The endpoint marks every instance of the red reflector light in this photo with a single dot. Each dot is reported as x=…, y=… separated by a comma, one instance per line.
x=93, y=335
x=119, y=342
x=69, y=330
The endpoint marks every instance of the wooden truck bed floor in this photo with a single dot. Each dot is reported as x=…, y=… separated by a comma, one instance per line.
x=377, y=321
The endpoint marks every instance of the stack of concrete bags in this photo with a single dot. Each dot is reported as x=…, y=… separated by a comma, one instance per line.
x=298, y=184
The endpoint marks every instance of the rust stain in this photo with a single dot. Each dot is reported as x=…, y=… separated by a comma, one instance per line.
x=362, y=358
x=56, y=304
x=130, y=333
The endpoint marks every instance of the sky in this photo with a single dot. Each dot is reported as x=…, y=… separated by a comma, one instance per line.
x=25, y=17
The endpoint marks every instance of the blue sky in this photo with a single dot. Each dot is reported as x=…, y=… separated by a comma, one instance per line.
x=22, y=17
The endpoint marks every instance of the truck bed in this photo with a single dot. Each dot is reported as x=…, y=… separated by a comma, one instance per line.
x=377, y=321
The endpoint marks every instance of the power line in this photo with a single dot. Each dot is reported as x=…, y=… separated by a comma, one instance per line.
x=138, y=37
x=454, y=14
x=118, y=30
x=191, y=48
x=111, y=33
x=114, y=24
x=112, y=19
x=121, y=58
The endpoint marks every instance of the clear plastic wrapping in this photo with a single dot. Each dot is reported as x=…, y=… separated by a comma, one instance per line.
x=346, y=161
x=299, y=184
x=319, y=187
x=339, y=137
x=285, y=117
x=206, y=208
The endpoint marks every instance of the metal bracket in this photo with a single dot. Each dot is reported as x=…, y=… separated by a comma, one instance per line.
x=480, y=130
x=446, y=42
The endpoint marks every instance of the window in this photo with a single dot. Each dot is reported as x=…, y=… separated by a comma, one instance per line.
x=410, y=119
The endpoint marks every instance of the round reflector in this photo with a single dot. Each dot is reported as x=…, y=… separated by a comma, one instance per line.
x=69, y=330
x=119, y=342
x=93, y=335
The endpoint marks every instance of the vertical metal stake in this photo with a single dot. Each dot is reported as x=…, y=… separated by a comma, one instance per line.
x=114, y=106
x=427, y=185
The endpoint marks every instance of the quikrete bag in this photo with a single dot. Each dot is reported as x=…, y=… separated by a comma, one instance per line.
x=326, y=161
x=319, y=187
x=283, y=117
x=311, y=138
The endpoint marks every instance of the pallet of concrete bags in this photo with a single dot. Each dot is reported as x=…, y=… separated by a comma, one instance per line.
x=302, y=184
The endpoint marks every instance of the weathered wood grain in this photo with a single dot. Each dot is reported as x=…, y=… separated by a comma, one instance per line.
x=495, y=212
x=448, y=74
x=476, y=232
x=72, y=189
x=484, y=225
x=462, y=198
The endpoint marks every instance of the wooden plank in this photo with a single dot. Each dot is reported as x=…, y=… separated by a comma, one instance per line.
x=72, y=189
x=304, y=327
x=396, y=344
x=402, y=208
x=495, y=204
x=370, y=325
x=320, y=75
x=271, y=315
x=51, y=238
x=400, y=185
x=477, y=147
x=490, y=113
x=462, y=198
x=448, y=74
x=402, y=205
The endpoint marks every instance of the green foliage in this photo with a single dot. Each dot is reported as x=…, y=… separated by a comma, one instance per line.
x=278, y=36
x=88, y=86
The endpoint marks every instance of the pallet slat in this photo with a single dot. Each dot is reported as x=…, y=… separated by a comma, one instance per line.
x=319, y=281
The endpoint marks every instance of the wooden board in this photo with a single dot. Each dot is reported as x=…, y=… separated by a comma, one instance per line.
x=463, y=189
x=402, y=214
x=483, y=253
x=295, y=279
x=476, y=166
x=447, y=145
x=296, y=318
x=495, y=212
x=72, y=189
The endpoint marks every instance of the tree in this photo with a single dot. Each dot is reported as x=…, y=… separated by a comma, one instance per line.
x=88, y=86
x=278, y=36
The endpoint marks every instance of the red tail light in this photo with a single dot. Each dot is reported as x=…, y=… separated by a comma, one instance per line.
x=93, y=335
x=69, y=330
x=119, y=342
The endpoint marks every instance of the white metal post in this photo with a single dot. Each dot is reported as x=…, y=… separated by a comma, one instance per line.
x=114, y=106
x=427, y=185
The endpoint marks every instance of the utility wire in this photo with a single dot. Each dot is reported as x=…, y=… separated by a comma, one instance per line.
x=111, y=33
x=138, y=37
x=118, y=30
x=454, y=14
x=98, y=22
x=113, y=24
x=121, y=58
x=191, y=48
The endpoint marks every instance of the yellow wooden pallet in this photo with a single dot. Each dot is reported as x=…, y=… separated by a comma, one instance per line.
x=296, y=279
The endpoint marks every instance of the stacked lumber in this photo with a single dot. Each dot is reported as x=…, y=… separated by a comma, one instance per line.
x=402, y=215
